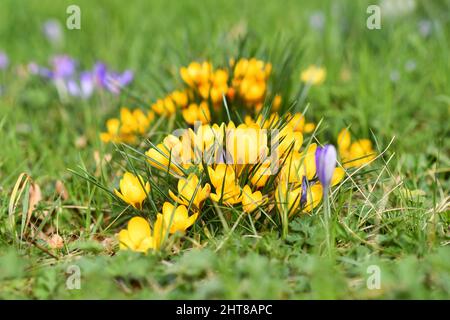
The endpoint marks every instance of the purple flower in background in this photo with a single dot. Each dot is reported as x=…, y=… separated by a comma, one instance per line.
x=34, y=68
x=4, y=61
x=82, y=88
x=325, y=164
x=69, y=81
x=63, y=66
x=100, y=74
x=110, y=80
x=52, y=31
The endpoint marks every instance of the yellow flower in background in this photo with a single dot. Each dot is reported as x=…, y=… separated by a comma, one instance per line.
x=219, y=86
x=135, y=121
x=137, y=236
x=197, y=112
x=276, y=102
x=112, y=133
x=196, y=73
x=354, y=154
x=180, y=98
x=338, y=176
x=251, y=200
x=313, y=75
x=190, y=191
x=133, y=190
x=164, y=107
x=250, y=80
x=125, y=129
x=177, y=218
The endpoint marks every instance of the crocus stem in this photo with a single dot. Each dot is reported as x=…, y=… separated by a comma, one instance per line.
x=285, y=226
x=327, y=221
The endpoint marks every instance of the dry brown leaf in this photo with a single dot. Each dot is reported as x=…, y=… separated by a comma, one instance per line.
x=81, y=142
x=55, y=241
x=35, y=196
x=61, y=190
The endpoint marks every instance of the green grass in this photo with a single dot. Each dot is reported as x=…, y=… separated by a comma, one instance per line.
x=406, y=235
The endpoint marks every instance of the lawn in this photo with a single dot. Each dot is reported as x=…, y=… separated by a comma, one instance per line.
x=59, y=217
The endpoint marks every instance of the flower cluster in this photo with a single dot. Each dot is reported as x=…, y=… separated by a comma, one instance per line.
x=242, y=83
x=267, y=165
x=126, y=128
x=63, y=72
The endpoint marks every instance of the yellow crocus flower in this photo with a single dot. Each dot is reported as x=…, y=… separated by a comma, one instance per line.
x=164, y=107
x=261, y=174
x=222, y=175
x=197, y=112
x=354, y=154
x=173, y=150
x=251, y=200
x=177, y=218
x=137, y=236
x=180, y=98
x=246, y=145
x=230, y=194
x=190, y=191
x=133, y=190
x=297, y=165
x=337, y=177
x=196, y=73
x=287, y=198
x=314, y=195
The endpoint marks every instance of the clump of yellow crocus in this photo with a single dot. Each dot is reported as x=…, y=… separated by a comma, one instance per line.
x=133, y=190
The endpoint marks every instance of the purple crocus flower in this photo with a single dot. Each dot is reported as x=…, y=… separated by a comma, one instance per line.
x=325, y=164
x=82, y=88
x=36, y=69
x=111, y=81
x=4, y=61
x=100, y=74
x=52, y=30
x=63, y=66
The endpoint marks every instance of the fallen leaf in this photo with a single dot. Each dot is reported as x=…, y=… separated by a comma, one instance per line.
x=61, y=190
x=55, y=241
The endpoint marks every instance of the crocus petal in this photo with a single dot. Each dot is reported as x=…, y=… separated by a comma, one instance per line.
x=138, y=229
x=124, y=240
